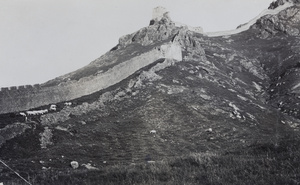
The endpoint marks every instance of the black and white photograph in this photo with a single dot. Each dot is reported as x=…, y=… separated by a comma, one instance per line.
x=149, y=92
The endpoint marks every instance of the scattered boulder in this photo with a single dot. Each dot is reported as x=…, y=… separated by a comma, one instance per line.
x=68, y=103
x=74, y=164
x=209, y=130
x=83, y=122
x=52, y=107
x=151, y=162
x=153, y=132
x=45, y=168
x=89, y=166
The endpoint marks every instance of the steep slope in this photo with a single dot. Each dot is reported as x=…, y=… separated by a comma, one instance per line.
x=280, y=57
x=123, y=60
x=273, y=10
x=226, y=91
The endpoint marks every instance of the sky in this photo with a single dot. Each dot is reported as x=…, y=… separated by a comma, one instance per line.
x=44, y=39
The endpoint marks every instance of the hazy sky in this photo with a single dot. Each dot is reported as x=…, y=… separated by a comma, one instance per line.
x=43, y=39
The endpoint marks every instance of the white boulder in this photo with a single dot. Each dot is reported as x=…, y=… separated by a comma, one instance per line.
x=153, y=132
x=74, y=164
x=89, y=166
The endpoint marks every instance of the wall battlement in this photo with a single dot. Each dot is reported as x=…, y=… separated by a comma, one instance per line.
x=21, y=87
x=22, y=98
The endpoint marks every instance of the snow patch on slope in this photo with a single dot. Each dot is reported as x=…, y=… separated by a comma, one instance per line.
x=251, y=22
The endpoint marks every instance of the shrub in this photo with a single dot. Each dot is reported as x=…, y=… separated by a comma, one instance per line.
x=46, y=137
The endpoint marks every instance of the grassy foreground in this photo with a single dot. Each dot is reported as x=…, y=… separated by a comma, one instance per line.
x=259, y=163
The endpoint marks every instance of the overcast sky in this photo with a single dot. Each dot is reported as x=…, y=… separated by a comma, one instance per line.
x=43, y=39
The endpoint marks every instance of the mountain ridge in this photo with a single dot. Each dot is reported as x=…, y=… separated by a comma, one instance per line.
x=212, y=95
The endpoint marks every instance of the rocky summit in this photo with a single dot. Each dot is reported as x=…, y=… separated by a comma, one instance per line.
x=163, y=92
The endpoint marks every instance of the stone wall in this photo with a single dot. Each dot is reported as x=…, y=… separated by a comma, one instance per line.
x=194, y=29
x=25, y=97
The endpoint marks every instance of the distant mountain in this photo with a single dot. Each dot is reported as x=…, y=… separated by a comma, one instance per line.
x=163, y=91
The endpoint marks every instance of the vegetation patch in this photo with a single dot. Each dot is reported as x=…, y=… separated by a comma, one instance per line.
x=260, y=163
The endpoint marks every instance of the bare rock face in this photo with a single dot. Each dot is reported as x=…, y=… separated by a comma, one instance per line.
x=160, y=29
x=287, y=22
x=190, y=44
x=148, y=35
x=277, y=3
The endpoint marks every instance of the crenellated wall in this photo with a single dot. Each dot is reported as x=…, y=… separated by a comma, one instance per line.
x=21, y=87
x=20, y=98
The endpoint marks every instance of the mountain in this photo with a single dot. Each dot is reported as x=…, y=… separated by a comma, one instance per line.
x=162, y=92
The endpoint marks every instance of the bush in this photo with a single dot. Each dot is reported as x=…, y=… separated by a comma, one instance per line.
x=46, y=137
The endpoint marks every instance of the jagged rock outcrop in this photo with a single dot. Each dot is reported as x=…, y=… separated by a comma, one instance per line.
x=286, y=21
x=190, y=44
x=148, y=35
x=277, y=3
x=159, y=30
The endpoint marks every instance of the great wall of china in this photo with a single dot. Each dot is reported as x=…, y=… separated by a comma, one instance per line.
x=21, y=98
x=21, y=87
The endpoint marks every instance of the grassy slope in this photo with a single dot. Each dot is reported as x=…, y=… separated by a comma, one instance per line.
x=260, y=163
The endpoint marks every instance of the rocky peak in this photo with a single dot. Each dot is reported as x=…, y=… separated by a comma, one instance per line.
x=285, y=21
x=154, y=33
x=278, y=3
x=161, y=28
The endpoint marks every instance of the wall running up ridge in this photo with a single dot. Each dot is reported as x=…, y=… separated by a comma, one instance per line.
x=26, y=97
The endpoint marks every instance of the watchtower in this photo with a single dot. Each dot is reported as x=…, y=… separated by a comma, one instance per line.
x=158, y=13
